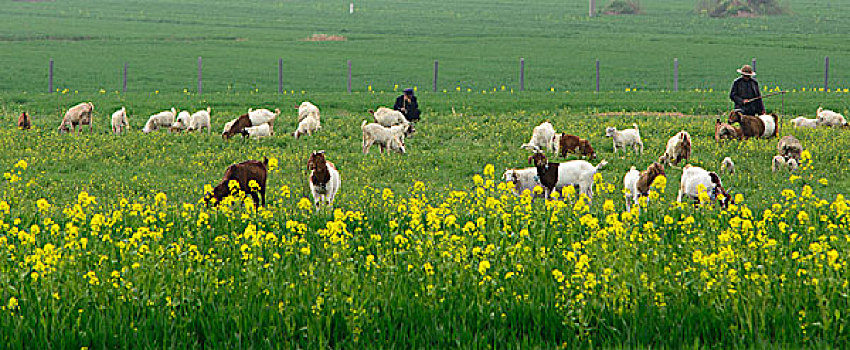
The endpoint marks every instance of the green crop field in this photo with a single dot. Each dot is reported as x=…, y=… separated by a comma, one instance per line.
x=104, y=242
x=478, y=43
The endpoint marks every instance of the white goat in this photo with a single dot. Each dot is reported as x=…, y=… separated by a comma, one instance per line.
x=79, y=115
x=181, y=122
x=374, y=133
x=693, y=177
x=523, y=179
x=200, y=120
x=307, y=109
x=578, y=173
x=262, y=116
x=678, y=148
x=119, y=121
x=803, y=122
x=625, y=138
x=308, y=126
x=543, y=138
x=388, y=117
x=257, y=132
x=161, y=119
x=829, y=118
x=727, y=166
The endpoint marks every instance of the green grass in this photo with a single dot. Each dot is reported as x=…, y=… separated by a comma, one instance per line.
x=478, y=43
x=170, y=275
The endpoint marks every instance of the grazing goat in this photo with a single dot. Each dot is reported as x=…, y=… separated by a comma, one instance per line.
x=307, y=109
x=161, y=119
x=727, y=166
x=693, y=177
x=803, y=122
x=543, y=138
x=200, y=120
x=523, y=179
x=625, y=138
x=678, y=148
x=637, y=184
x=308, y=126
x=78, y=115
x=565, y=143
x=243, y=173
x=229, y=125
x=789, y=147
x=24, y=121
x=119, y=121
x=181, y=122
x=388, y=117
x=780, y=162
x=392, y=138
x=763, y=126
x=324, y=179
x=262, y=116
x=252, y=118
x=556, y=175
x=725, y=131
x=829, y=118
x=257, y=132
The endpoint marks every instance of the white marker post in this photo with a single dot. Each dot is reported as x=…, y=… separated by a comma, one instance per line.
x=351, y=8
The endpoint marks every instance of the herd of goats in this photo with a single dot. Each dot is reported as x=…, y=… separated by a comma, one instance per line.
x=391, y=127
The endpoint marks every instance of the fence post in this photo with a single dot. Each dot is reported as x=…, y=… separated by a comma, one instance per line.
x=50, y=77
x=349, y=76
x=597, y=75
x=522, y=74
x=826, y=73
x=436, y=67
x=675, y=74
x=124, y=84
x=200, y=76
x=280, y=75
x=754, y=64
x=592, y=9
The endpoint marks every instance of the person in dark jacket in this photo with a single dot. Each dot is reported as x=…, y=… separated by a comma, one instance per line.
x=744, y=91
x=407, y=105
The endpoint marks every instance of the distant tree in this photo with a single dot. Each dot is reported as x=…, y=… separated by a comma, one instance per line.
x=622, y=7
x=740, y=8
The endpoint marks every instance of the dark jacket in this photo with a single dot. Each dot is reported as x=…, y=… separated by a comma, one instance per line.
x=411, y=109
x=744, y=89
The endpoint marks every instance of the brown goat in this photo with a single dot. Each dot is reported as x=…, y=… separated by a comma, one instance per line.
x=24, y=121
x=575, y=144
x=242, y=173
x=750, y=126
x=241, y=123
x=725, y=131
x=647, y=177
x=789, y=147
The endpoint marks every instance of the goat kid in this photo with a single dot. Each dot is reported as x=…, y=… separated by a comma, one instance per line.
x=678, y=148
x=625, y=138
x=24, y=122
x=542, y=138
x=637, y=184
x=565, y=143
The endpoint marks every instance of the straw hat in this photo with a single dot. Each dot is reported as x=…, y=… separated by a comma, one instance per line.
x=746, y=70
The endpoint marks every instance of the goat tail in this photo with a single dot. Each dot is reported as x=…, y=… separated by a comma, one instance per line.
x=636, y=126
x=601, y=165
x=363, y=124
x=633, y=168
x=266, y=162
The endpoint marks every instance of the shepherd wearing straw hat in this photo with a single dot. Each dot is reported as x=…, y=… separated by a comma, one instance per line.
x=746, y=94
